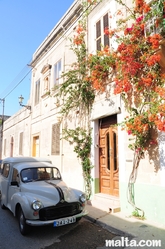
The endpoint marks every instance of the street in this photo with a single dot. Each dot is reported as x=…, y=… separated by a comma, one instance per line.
x=83, y=234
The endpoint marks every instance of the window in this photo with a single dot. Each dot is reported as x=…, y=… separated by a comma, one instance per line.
x=46, y=84
x=55, y=139
x=57, y=72
x=108, y=149
x=37, y=92
x=150, y=27
x=21, y=143
x=4, y=147
x=101, y=38
x=46, y=72
x=11, y=146
x=5, y=170
x=15, y=176
x=39, y=174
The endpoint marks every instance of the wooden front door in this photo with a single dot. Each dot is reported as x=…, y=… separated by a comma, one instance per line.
x=108, y=156
x=36, y=143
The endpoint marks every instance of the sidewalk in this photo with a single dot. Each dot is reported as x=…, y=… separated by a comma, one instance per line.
x=129, y=227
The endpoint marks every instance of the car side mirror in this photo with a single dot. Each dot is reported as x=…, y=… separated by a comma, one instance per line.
x=14, y=183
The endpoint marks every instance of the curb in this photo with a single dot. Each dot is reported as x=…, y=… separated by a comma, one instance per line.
x=111, y=229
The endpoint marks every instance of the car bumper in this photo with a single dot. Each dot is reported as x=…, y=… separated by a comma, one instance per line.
x=49, y=222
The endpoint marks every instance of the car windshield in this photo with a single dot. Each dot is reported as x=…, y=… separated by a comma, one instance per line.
x=39, y=174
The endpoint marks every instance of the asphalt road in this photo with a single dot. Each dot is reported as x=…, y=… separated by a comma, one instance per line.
x=83, y=234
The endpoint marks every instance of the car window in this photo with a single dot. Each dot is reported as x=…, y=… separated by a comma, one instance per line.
x=15, y=176
x=5, y=169
x=40, y=173
x=27, y=175
x=1, y=165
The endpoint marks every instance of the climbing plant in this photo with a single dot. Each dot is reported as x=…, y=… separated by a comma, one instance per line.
x=77, y=96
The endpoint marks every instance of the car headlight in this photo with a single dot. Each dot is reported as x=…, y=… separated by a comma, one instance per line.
x=82, y=198
x=36, y=205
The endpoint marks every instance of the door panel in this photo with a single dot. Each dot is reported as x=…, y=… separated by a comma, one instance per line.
x=36, y=143
x=109, y=171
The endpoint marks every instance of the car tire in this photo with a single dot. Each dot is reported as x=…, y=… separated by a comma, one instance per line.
x=23, y=227
x=3, y=206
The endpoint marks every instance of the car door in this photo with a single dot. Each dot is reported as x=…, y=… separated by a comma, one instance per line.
x=12, y=189
x=4, y=183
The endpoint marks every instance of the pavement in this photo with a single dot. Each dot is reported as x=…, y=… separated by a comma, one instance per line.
x=129, y=231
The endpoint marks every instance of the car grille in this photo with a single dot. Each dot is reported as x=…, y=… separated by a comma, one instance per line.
x=60, y=210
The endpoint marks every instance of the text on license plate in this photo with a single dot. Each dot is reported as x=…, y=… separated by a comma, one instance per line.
x=64, y=221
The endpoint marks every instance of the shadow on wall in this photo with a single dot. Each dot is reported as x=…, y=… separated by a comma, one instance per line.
x=154, y=151
x=161, y=139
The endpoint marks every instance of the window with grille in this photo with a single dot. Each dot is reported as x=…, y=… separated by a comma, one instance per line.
x=101, y=38
x=21, y=143
x=37, y=92
x=55, y=150
x=156, y=12
x=150, y=27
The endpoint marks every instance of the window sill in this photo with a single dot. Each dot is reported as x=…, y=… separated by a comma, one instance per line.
x=46, y=94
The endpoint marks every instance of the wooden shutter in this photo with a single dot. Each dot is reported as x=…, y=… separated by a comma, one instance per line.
x=55, y=139
x=37, y=92
x=106, y=25
x=98, y=35
x=21, y=143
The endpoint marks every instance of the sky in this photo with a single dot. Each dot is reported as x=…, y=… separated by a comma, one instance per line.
x=24, y=24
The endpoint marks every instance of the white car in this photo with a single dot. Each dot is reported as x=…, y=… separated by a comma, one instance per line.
x=33, y=189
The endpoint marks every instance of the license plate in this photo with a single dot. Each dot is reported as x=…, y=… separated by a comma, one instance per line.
x=64, y=221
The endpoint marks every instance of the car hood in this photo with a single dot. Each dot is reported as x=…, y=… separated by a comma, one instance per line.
x=54, y=190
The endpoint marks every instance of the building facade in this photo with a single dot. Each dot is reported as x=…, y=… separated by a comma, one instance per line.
x=3, y=118
x=38, y=132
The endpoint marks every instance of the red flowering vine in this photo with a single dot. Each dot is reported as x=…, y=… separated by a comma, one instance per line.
x=138, y=74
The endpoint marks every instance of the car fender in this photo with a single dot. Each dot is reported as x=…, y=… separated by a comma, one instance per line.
x=25, y=200
x=77, y=192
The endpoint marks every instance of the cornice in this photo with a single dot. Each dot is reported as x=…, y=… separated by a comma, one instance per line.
x=60, y=28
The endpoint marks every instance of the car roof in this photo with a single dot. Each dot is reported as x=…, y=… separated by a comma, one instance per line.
x=25, y=159
x=24, y=165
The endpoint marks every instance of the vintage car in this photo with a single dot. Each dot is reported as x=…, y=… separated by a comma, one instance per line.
x=33, y=189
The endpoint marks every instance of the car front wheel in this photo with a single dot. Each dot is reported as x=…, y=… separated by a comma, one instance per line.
x=24, y=228
x=2, y=205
